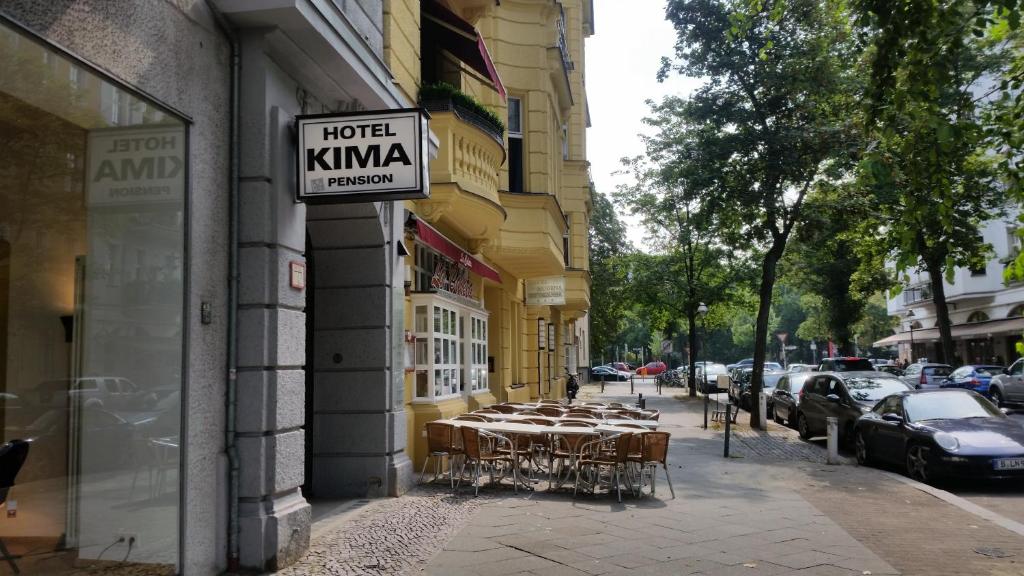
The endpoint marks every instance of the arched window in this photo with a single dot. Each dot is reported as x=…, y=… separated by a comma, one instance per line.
x=978, y=316
x=1017, y=311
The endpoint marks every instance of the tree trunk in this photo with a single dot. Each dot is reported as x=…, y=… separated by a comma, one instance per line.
x=691, y=378
x=761, y=329
x=934, y=269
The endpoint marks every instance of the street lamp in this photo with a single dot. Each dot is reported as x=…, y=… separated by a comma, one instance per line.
x=702, y=311
x=910, y=317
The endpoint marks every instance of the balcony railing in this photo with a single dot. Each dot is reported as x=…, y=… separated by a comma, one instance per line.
x=915, y=294
x=563, y=45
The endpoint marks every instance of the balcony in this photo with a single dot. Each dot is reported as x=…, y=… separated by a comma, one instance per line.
x=464, y=176
x=917, y=294
x=530, y=241
x=577, y=293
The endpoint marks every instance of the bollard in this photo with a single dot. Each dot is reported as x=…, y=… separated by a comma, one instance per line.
x=640, y=402
x=631, y=384
x=762, y=403
x=705, y=410
x=728, y=421
x=833, y=440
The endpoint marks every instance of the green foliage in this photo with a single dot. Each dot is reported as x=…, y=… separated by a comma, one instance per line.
x=770, y=123
x=445, y=91
x=608, y=250
x=932, y=180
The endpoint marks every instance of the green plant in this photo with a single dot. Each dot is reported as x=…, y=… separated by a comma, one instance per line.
x=445, y=91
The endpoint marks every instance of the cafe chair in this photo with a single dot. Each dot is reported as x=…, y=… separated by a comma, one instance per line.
x=549, y=411
x=504, y=408
x=12, y=458
x=611, y=452
x=549, y=401
x=654, y=415
x=588, y=423
x=480, y=448
x=441, y=443
x=616, y=405
x=653, y=451
x=580, y=414
x=540, y=421
x=473, y=418
x=530, y=413
x=486, y=411
x=631, y=414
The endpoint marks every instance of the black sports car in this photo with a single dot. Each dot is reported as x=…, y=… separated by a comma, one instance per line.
x=941, y=433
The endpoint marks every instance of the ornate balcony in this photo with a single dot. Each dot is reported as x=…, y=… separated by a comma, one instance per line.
x=464, y=176
x=577, y=293
x=530, y=242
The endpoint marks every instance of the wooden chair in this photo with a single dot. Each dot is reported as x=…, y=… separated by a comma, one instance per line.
x=616, y=405
x=655, y=414
x=473, y=418
x=541, y=421
x=610, y=451
x=441, y=442
x=631, y=414
x=550, y=411
x=12, y=458
x=530, y=413
x=481, y=447
x=654, y=451
x=579, y=414
x=548, y=401
x=504, y=408
x=486, y=411
x=588, y=423
x=594, y=405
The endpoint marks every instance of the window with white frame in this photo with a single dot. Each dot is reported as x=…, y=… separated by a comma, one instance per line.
x=451, y=348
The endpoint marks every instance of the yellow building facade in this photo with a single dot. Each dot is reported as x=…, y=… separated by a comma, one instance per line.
x=509, y=209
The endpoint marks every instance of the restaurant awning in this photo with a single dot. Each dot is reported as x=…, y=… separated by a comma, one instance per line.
x=444, y=28
x=960, y=331
x=431, y=237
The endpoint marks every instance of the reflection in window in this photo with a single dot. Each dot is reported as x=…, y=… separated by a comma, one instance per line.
x=91, y=314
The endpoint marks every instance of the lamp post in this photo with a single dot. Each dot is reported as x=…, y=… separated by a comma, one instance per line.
x=702, y=311
x=814, y=352
x=540, y=347
x=910, y=317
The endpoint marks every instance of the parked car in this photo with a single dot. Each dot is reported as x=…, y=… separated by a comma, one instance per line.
x=608, y=373
x=620, y=366
x=890, y=369
x=845, y=396
x=972, y=377
x=744, y=362
x=651, y=369
x=941, y=433
x=110, y=392
x=739, y=388
x=926, y=375
x=845, y=364
x=707, y=376
x=786, y=396
x=802, y=367
x=1009, y=386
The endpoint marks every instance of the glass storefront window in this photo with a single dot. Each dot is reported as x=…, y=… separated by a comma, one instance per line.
x=457, y=355
x=92, y=265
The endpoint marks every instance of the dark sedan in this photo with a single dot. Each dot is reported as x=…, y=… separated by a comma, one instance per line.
x=942, y=433
x=843, y=395
x=786, y=396
x=607, y=373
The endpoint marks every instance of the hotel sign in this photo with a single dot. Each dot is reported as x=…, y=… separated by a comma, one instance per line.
x=363, y=156
x=547, y=291
x=135, y=166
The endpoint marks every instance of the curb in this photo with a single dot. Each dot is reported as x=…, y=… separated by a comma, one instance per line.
x=961, y=503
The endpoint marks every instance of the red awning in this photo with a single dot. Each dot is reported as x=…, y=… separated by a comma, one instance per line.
x=446, y=29
x=431, y=237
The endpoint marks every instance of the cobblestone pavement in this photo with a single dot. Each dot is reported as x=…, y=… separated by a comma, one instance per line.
x=387, y=537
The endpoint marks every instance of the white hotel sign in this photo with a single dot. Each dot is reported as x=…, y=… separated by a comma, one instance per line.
x=547, y=291
x=363, y=156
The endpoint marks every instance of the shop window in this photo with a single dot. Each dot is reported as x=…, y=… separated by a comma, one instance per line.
x=92, y=261
x=515, y=145
x=451, y=348
x=977, y=317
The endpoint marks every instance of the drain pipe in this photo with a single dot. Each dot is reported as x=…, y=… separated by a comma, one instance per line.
x=232, y=325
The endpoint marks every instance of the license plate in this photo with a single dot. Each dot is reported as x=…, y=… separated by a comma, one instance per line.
x=1009, y=464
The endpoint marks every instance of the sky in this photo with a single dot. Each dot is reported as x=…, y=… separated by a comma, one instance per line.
x=623, y=57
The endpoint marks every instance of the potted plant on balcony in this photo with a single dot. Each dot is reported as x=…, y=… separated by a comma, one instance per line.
x=443, y=97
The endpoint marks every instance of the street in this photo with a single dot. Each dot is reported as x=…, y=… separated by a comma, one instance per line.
x=773, y=507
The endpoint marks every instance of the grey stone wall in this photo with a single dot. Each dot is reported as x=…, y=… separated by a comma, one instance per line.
x=174, y=52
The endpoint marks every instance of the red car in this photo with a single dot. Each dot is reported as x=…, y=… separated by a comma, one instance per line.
x=621, y=366
x=651, y=369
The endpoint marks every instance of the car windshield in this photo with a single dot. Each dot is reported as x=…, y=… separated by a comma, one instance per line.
x=871, y=389
x=797, y=381
x=716, y=369
x=772, y=380
x=853, y=365
x=988, y=370
x=948, y=406
x=937, y=370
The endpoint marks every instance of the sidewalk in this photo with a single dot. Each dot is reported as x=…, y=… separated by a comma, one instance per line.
x=774, y=508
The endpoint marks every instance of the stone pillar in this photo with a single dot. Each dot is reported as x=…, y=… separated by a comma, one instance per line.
x=274, y=518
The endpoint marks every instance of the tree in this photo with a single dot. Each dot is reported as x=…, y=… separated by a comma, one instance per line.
x=932, y=180
x=771, y=121
x=608, y=245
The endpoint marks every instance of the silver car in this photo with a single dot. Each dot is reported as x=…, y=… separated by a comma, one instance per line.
x=923, y=375
x=1008, y=387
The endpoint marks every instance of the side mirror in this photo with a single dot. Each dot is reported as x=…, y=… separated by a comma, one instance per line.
x=834, y=398
x=892, y=417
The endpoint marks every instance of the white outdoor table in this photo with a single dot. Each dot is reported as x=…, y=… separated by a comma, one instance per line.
x=523, y=428
x=652, y=424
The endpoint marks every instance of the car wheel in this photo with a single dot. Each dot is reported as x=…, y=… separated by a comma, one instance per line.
x=861, y=447
x=917, y=463
x=802, y=427
x=997, y=397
